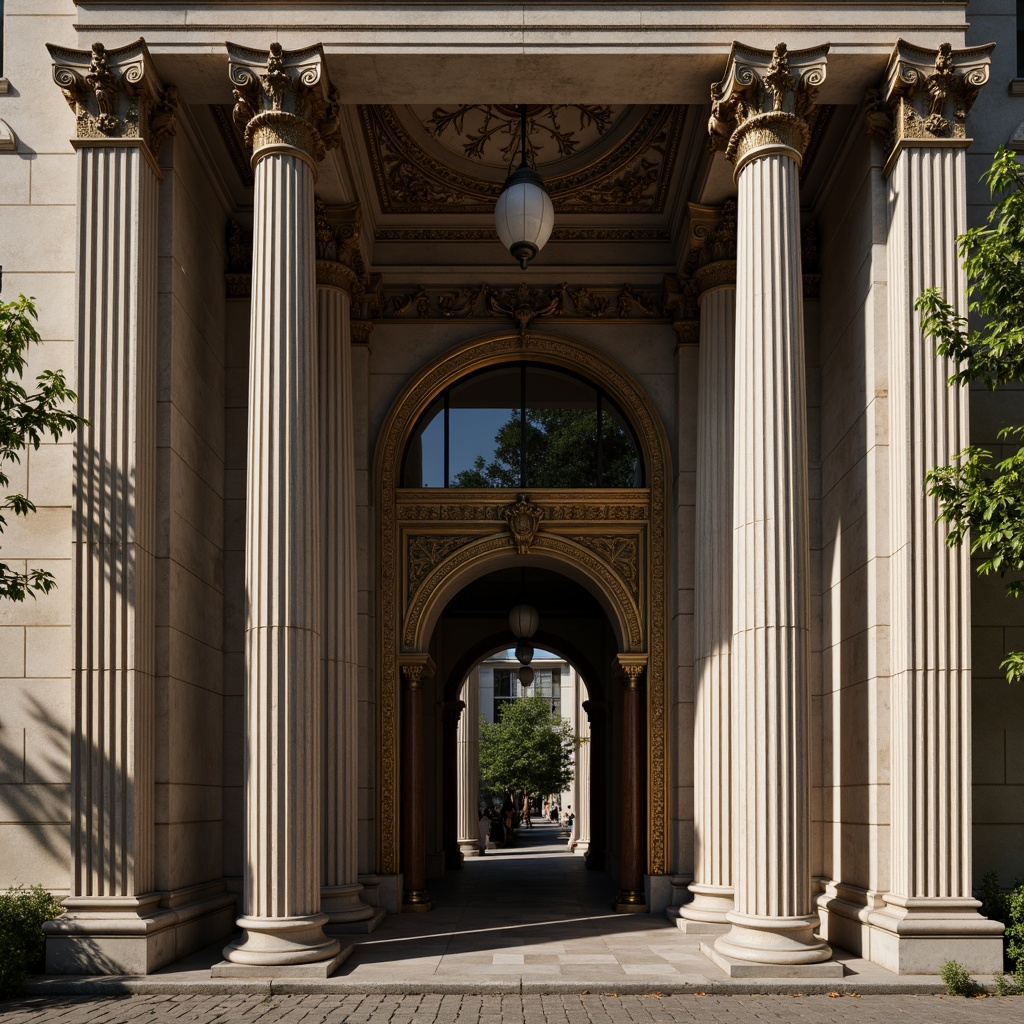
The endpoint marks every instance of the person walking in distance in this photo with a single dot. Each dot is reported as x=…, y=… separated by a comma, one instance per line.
x=484, y=827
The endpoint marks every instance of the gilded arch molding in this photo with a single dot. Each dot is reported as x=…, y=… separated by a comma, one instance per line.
x=430, y=540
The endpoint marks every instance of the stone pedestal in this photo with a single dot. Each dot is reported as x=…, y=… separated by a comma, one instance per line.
x=284, y=100
x=114, y=923
x=713, y=233
x=758, y=118
x=929, y=914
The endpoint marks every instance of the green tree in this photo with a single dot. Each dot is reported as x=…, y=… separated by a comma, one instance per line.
x=981, y=496
x=25, y=419
x=561, y=451
x=527, y=752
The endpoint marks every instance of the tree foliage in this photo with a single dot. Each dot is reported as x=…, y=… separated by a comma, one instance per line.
x=981, y=496
x=25, y=419
x=561, y=451
x=528, y=751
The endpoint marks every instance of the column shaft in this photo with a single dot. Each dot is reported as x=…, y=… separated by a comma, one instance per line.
x=341, y=889
x=773, y=920
x=414, y=868
x=712, y=884
x=469, y=768
x=631, y=849
x=582, y=796
x=282, y=919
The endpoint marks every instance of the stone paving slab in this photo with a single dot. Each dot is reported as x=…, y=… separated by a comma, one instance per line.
x=599, y=1007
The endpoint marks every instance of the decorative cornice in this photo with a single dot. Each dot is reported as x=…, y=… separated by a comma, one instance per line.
x=561, y=233
x=523, y=304
x=115, y=94
x=762, y=102
x=927, y=93
x=284, y=100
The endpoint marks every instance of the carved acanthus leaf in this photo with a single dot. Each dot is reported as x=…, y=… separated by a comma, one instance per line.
x=115, y=94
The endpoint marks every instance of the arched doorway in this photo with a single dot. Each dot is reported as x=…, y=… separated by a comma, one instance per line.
x=435, y=541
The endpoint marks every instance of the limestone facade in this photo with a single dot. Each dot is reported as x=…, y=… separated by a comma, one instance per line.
x=266, y=265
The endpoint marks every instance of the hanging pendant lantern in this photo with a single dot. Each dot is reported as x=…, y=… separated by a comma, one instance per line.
x=523, y=620
x=524, y=215
x=525, y=675
x=524, y=653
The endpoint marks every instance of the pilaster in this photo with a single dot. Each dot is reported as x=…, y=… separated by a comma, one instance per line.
x=289, y=115
x=415, y=898
x=113, y=921
x=713, y=237
x=631, y=898
x=928, y=915
x=758, y=118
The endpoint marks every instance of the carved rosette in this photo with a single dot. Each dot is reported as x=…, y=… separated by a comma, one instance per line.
x=284, y=100
x=115, y=94
x=763, y=101
x=927, y=93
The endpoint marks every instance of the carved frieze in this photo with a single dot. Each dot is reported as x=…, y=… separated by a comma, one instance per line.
x=927, y=93
x=621, y=552
x=283, y=99
x=115, y=94
x=424, y=551
x=764, y=100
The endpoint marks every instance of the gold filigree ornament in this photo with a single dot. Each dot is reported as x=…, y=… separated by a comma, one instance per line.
x=523, y=518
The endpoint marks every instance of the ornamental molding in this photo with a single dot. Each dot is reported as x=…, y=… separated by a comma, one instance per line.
x=523, y=519
x=712, y=262
x=764, y=100
x=629, y=174
x=927, y=93
x=284, y=100
x=115, y=94
x=523, y=304
x=340, y=261
x=561, y=233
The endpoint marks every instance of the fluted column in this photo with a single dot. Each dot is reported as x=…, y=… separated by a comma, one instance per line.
x=758, y=117
x=631, y=898
x=469, y=768
x=929, y=913
x=415, y=898
x=451, y=711
x=284, y=103
x=581, y=785
x=713, y=233
x=122, y=115
x=340, y=889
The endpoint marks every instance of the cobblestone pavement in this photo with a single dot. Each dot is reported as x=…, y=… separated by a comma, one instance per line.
x=600, y=1008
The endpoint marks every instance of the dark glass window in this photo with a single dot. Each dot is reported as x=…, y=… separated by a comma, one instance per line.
x=524, y=425
x=547, y=682
x=506, y=685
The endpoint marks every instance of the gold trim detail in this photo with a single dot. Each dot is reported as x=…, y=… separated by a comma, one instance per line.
x=617, y=539
x=523, y=518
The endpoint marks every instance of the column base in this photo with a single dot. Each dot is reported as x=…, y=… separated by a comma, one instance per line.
x=282, y=942
x=341, y=903
x=630, y=902
x=469, y=847
x=320, y=969
x=746, y=969
x=916, y=936
x=706, y=913
x=416, y=901
x=111, y=935
x=778, y=941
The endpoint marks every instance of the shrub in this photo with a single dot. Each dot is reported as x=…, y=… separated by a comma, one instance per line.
x=956, y=979
x=22, y=943
x=1014, y=937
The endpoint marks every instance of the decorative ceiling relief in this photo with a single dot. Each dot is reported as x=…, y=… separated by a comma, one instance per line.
x=594, y=159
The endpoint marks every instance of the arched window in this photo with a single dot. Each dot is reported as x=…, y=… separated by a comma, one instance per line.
x=522, y=425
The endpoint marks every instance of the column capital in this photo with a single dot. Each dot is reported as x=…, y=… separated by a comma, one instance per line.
x=284, y=101
x=926, y=94
x=115, y=94
x=713, y=245
x=416, y=667
x=632, y=667
x=761, y=104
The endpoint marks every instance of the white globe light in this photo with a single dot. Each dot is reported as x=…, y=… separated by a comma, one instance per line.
x=524, y=215
x=523, y=620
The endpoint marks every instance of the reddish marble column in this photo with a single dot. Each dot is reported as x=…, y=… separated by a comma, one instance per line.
x=630, y=899
x=415, y=898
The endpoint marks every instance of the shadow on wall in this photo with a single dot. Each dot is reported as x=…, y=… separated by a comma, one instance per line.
x=32, y=756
